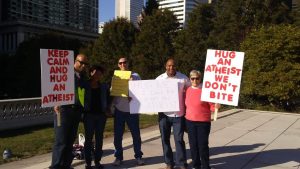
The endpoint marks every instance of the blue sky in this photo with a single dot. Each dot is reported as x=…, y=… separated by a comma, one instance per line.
x=106, y=10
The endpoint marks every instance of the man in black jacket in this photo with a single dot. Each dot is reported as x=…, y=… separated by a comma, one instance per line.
x=66, y=133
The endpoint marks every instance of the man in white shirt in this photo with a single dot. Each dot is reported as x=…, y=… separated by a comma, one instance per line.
x=175, y=119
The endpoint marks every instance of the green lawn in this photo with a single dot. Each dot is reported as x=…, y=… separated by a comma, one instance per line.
x=29, y=142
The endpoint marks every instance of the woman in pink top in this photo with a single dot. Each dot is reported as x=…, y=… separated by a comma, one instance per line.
x=198, y=117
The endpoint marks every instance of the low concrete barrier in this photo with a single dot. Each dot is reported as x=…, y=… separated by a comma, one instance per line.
x=18, y=113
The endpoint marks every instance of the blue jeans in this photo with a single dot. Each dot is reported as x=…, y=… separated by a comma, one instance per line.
x=65, y=136
x=132, y=121
x=165, y=125
x=198, y=133
x=94, y=124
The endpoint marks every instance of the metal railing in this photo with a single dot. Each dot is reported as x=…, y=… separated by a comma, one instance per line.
x=18, y=113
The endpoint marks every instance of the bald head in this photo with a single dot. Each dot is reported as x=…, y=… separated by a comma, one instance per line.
x=81, y=62
x=170, y=67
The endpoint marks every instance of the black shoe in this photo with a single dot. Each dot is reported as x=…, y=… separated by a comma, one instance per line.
x=117, y=162
x=88, y=167
x=99, y=166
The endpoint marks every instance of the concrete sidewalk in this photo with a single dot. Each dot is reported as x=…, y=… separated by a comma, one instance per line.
x=239, y=139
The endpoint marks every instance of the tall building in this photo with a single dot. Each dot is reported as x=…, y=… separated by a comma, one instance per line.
x=295, y=4
x=22, y=19
x=129, y=9
x=181, y=8
x=100, y=27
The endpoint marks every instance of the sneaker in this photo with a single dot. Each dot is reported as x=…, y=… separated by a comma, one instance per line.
x=117, y=162
x=140, y=161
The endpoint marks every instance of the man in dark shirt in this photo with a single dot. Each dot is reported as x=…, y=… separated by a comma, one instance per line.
x=66, y=133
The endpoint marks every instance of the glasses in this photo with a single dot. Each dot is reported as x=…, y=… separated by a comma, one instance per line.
x=82, y=63
x=194, y=78
x=125, y=62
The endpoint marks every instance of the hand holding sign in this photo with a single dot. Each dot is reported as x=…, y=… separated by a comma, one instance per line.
x=57, y=111
x=217, y=107
x=119, y=84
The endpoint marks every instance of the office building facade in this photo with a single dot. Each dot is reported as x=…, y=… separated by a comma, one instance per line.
x=129, y=9
x=181, y=8
x=22, y=19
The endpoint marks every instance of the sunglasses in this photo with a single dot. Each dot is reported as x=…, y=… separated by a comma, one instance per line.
x=125, y=62
x=82, y=63
x=195, y=78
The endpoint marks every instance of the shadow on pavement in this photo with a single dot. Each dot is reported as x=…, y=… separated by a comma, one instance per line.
x=243, y=160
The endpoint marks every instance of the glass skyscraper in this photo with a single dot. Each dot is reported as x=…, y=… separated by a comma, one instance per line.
x=180, y=8
x=129, y=9
x=22, y=19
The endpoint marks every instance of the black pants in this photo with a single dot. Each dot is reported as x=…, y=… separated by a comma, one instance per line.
x=65, y=136
x=94, y=124
x=198, y=133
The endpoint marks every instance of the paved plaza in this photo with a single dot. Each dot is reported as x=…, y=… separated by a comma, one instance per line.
x=240, y=139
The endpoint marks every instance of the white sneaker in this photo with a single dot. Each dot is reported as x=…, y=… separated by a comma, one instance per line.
x=140, y=161
x=117, y=162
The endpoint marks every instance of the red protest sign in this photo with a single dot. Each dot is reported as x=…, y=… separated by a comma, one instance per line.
x=57, y=77
x=222, y=76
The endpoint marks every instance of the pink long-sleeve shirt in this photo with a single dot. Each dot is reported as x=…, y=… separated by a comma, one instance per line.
x=197, y=110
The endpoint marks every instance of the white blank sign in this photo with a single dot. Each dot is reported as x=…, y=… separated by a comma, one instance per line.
x=149, y=96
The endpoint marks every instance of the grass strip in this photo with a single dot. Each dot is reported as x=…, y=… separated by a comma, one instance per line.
x=28, y=142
